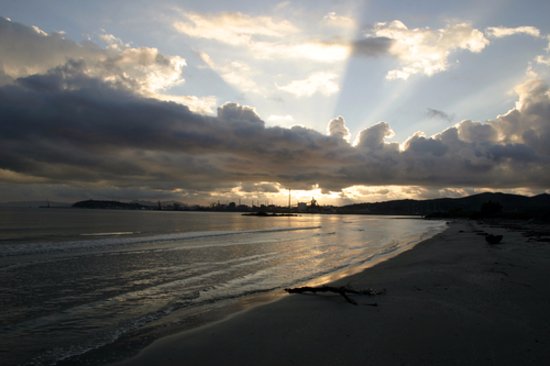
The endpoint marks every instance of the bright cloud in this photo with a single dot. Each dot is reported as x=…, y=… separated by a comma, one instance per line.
x=262, y=36
x=39, y=31
x=318, y=51
x=499, y=32
x=233, y=28
x=237, y=74
x=255, y=43
x=337, y=127
x=340, y=21
x=544, y=59
x=29, y=50
x=393, y=192
x=320, y=82
x=424, y=50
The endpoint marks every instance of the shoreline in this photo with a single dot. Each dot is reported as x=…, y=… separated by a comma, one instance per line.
x=452, y=299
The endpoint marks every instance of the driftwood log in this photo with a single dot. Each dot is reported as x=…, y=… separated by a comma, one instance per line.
x=341, y=290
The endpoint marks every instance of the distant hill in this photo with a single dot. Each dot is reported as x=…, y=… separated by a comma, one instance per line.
x=113, y=205
x=505, y=204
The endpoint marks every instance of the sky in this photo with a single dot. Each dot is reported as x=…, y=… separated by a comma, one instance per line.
x=343, y=100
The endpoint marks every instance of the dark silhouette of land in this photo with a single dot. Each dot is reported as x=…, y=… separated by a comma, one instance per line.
x=481, y=205
x=269, y=214
x=113, y=205
x=484, y=205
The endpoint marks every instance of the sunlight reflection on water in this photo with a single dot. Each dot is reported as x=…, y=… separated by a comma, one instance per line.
x=180, y=271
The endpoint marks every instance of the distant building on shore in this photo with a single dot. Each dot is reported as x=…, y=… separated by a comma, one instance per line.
x=313, y=206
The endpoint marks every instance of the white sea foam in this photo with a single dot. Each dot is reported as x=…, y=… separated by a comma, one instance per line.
x=115, y=239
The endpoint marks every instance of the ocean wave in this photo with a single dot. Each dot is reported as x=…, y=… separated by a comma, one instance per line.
x=117, y=239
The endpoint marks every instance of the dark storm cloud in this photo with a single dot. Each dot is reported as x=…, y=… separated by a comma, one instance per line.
x=72, y=128
x=65, y=127
x=68, y=127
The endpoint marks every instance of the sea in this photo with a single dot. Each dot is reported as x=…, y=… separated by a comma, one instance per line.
x=90, y=287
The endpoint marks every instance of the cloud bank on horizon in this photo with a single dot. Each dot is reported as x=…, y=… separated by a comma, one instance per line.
x=86, y=118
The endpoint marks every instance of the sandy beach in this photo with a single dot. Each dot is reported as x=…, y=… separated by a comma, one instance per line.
x=452, y=300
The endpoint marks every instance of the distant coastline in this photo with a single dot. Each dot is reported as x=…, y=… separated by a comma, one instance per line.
x=484, y=205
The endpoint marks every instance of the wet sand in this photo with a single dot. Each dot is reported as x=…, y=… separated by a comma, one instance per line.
x=452, y=300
